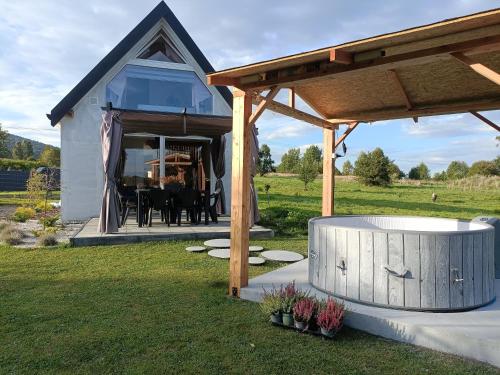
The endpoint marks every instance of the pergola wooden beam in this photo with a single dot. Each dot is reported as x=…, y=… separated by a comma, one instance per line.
x=341, y=57
x=296, y=113
x=328, y=195
x=291, y=97
x=478, y=67
x=486, y=121
x=263, y=105
x=395, y=78
x=348, y=131
x=318, y=70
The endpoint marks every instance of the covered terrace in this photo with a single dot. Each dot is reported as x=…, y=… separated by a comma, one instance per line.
x=442, y=68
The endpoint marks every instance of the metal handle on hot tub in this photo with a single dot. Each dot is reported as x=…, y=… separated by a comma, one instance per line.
x=456, y=275
x=397, y=274
x=342, y=267
x=313, y=254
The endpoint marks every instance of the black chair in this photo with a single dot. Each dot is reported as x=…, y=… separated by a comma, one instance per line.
x=159, y=200
x=128, y=200
x=187, y=199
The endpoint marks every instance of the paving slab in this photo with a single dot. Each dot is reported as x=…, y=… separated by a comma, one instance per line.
x=196, y=249
x=255, y=248
x=256, y=261
x=220, y=253
x=218, y=243
x=472, y=334
x=282, y=256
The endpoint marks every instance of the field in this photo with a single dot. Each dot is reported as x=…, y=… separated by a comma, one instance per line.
x=290, y=206
x=154, y=308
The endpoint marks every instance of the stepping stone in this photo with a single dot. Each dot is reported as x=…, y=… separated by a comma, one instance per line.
x=282, y=256
x=218, y=243
x=219, y=253
x=256, y=261
x=195, y=249
x=255, y=248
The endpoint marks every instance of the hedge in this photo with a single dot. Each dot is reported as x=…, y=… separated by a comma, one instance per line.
x=19, y=165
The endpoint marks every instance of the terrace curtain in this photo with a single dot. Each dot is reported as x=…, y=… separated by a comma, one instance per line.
x=219, y=165
x=111, y=140
x=254, y=148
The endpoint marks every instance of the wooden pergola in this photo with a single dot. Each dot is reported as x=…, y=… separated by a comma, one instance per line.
x=443, y=68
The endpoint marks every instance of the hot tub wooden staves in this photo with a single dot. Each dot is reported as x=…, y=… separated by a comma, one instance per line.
x=401, y=268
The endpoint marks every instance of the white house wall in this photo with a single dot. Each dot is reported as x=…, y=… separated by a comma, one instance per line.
x=81, y=160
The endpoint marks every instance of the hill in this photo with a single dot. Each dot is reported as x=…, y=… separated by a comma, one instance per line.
x=12, y=139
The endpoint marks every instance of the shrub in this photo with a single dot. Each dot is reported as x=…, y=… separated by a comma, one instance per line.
x=290, y=295
x=420, y=172
x=308, y=169
x=304, y=309
x=11, y=236
x=42, y=206
x=18, y=165
x=372, y=168
x=47, y=239
x=48, y=220
x=272, y=302
x=36, y=187
x=456, y=170
x=331, y=315
x=484, y=168
x=23, y=213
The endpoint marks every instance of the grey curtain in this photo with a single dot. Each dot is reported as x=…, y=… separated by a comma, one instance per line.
x=254, y=148
x=218, y=150
x=111, y=140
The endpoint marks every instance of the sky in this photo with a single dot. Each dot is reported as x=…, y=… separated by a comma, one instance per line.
x=46, y=47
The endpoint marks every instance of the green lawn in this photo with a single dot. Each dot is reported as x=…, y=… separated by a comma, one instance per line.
x=157, y=309
x=154, y=308
x=288, y=194
x=19, y=198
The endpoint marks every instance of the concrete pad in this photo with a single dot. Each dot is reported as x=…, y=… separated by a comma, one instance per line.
x=219, y=253
x=218, y=243
x=196, y=249
x=255, y=248
x=473, y=334
x=282, y=256
x=256, y=261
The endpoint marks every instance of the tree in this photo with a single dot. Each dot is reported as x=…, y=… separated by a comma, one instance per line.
x=372, y=168
x=308, y=169
x=484, y=168
x=4, y=151
x=394, y=172
x=265, y=163
x=50, y=156
x=290, y=161
x=420, y=172
x=314, y=152
x=23, y=150
x=456, y=170
x=347, y=169
x=440, y=176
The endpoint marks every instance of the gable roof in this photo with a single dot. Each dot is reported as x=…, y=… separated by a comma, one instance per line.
x=85, y=85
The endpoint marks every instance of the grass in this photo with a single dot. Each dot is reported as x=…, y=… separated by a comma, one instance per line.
x=158, y=309
x=19, y=198
x=287, y=193
x=155, y=308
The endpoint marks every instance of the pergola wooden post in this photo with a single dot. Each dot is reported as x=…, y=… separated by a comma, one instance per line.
x=328, y=204
x=240, y=192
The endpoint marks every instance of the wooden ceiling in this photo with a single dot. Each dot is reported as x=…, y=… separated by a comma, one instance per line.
x=446, y=67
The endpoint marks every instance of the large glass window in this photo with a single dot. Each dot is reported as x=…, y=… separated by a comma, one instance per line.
x=159, y=89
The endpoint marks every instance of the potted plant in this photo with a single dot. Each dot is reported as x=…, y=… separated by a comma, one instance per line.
x=331, y=317
x=303, y=311
x=272, y=303
x=290, y=296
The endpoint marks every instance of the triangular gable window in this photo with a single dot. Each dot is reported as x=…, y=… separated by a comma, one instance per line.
x=161, y=48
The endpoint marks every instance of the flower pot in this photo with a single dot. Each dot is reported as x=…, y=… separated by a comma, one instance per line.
x=287, y=319
x=301, y=326
x=328, y=333
x=276, y=318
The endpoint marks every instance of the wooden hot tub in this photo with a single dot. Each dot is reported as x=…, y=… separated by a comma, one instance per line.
x=412, y=263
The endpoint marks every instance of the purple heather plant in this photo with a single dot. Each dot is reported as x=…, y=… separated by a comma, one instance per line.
x=331, y=315
x=304, y=309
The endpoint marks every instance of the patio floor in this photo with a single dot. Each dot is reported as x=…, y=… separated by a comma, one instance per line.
x=473, y=334
x=159, y=231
